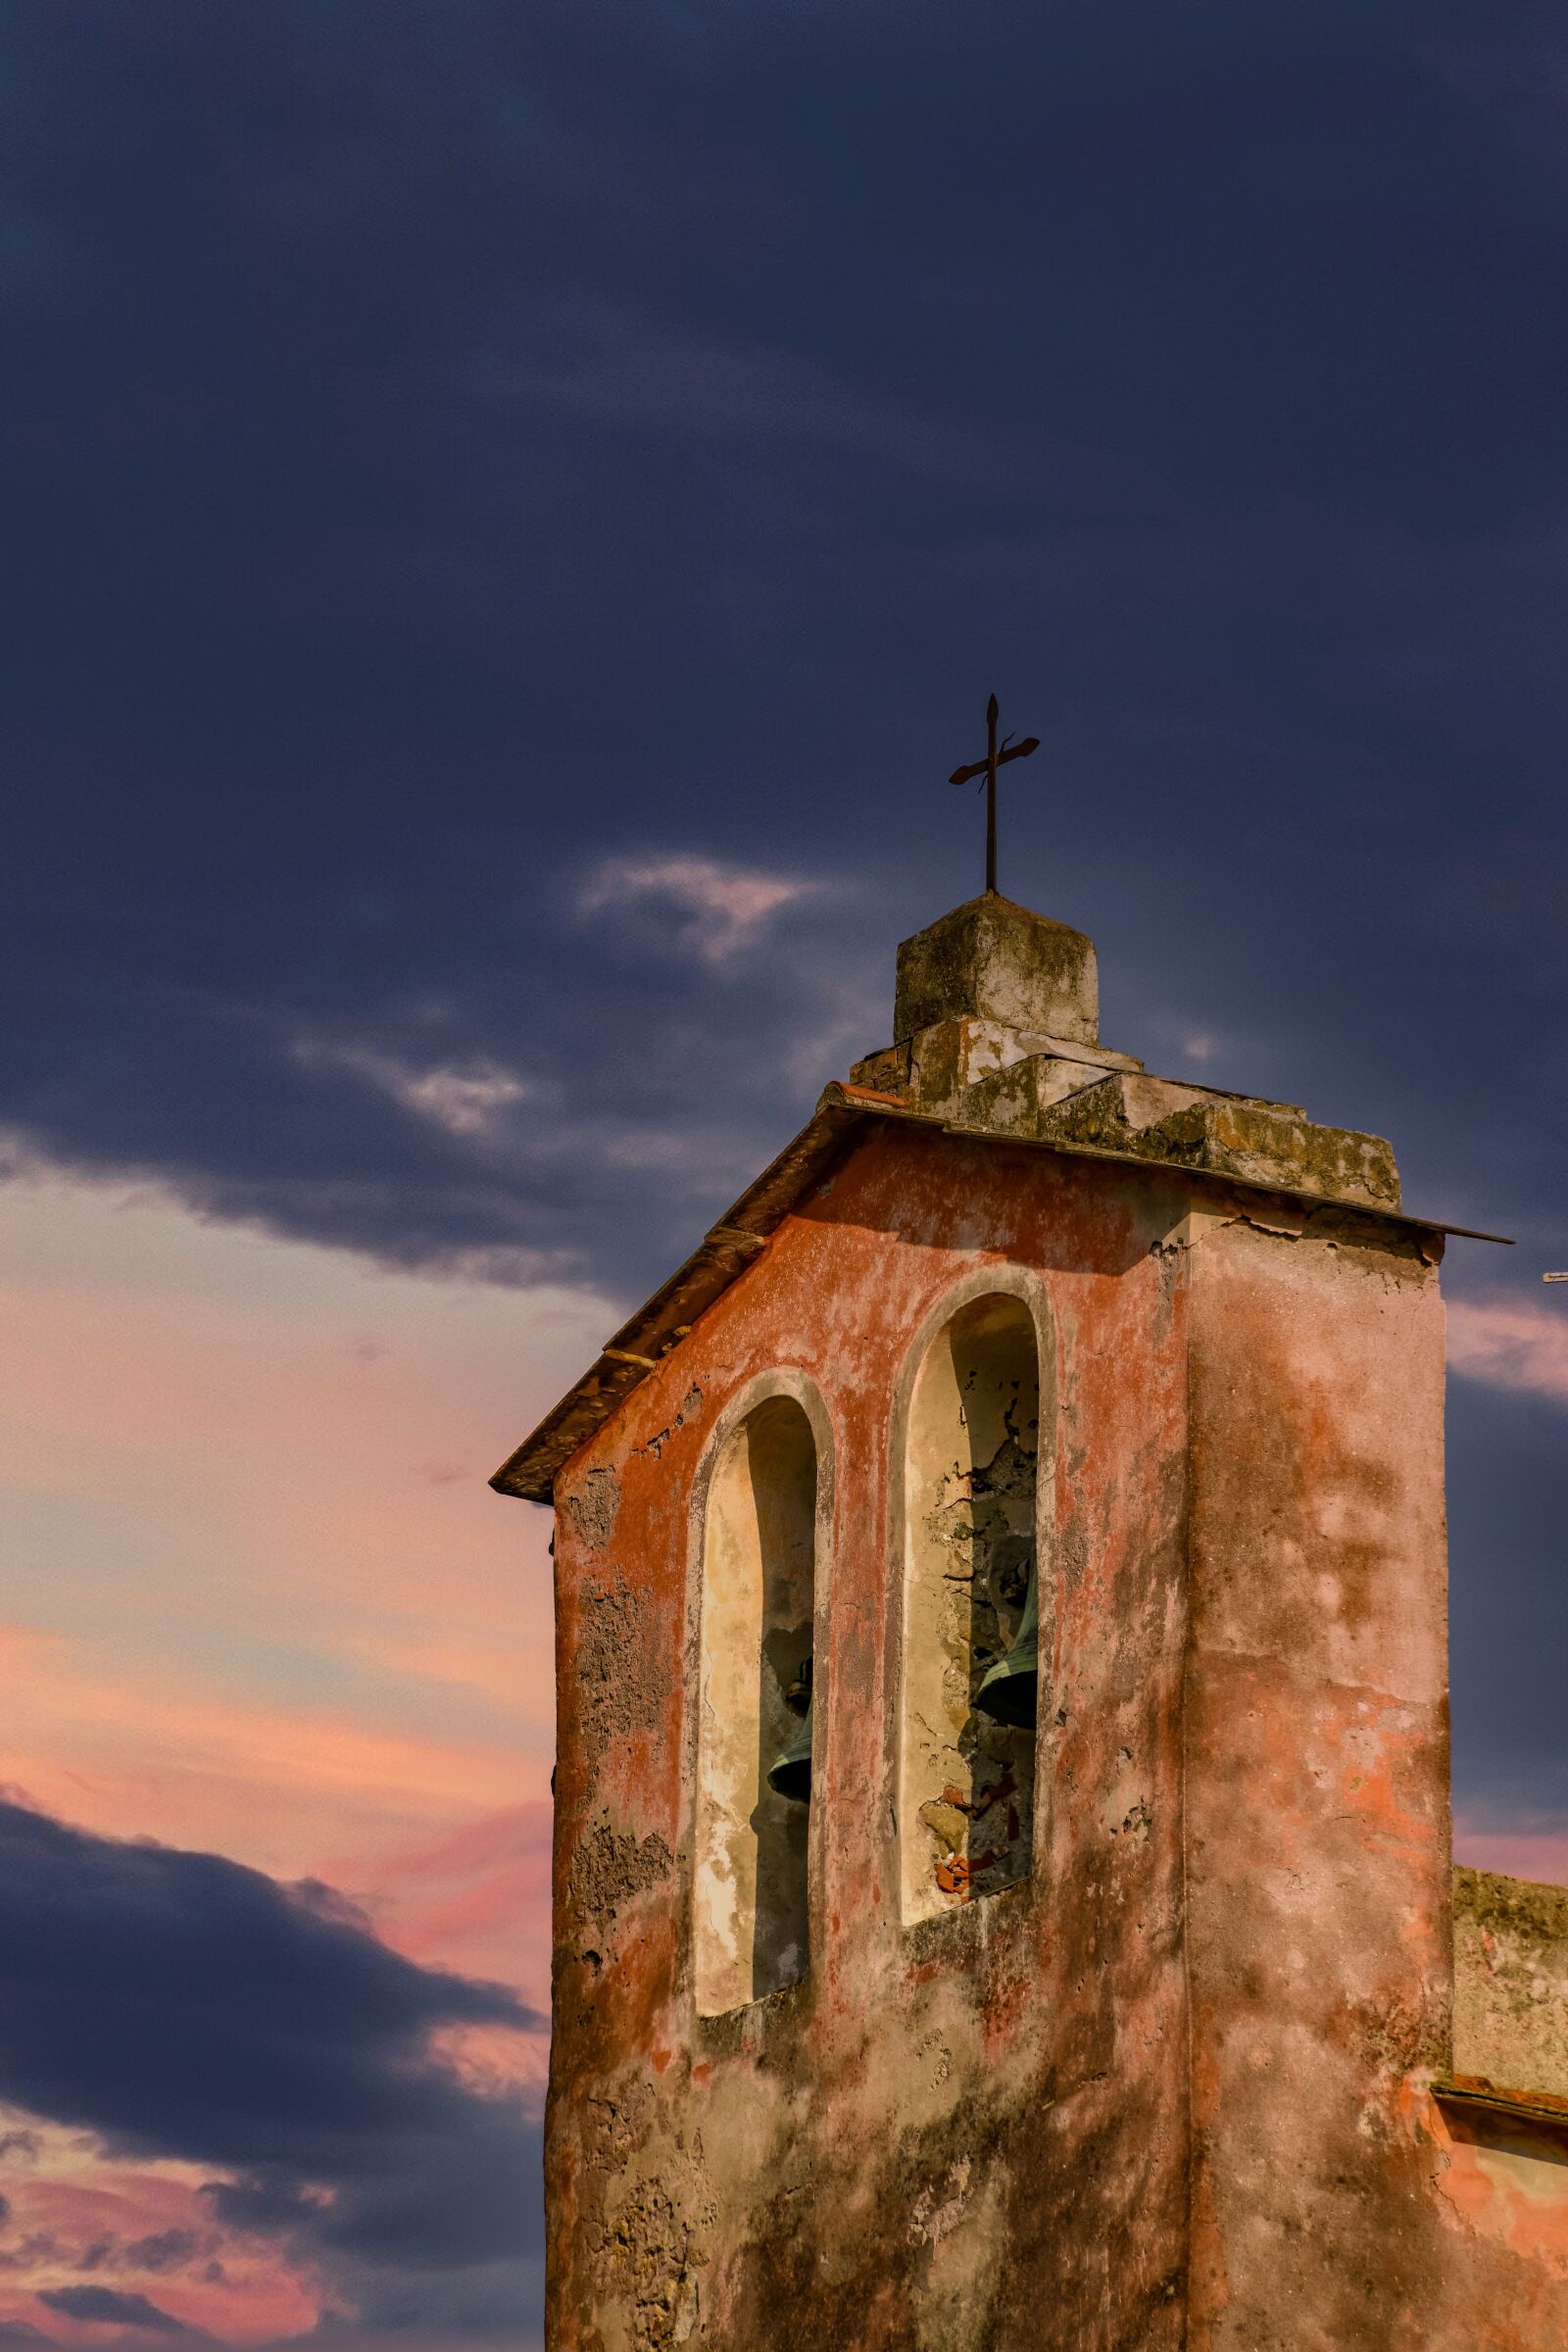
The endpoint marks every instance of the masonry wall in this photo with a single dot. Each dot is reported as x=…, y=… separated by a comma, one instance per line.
x=967, y=2135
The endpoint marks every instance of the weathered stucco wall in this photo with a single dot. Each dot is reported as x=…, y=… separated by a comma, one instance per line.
x=1335, y=2203
x=1510, y=1991
x=1013, y=2126
x=961, y=2136
x=1317, y=1778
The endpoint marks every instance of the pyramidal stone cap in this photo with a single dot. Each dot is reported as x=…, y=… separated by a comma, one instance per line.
x=994, y=960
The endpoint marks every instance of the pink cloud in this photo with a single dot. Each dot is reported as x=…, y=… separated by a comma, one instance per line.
x=140, y=2229
x=467, y=1101
x=261, y=1596
x=269, y=1782
x=476, y=1896
x=1517, y=1853
x=1512, y=1343
x=715, y=912
x=519, y=1835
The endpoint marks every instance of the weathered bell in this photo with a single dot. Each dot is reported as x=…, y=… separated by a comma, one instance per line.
x=790, y=1772
x=1010, y=1690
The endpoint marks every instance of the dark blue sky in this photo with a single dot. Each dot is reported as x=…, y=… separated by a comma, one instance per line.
x=448, y=446
x=497, y=496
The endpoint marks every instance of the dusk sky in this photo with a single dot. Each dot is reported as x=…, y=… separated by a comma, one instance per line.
x=513, y=513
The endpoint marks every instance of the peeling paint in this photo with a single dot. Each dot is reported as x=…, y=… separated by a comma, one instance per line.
x=610, y=1871
x=691, y=1405
x=616, y=1691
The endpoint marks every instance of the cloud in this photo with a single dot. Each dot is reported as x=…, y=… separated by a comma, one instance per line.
x=112, y=2306
x=178, y=2005
x=464, y=1100
x=478, y=1895
x=698, y=906
x=264, y=2204
x=246, y=1427
x=616, y=365
x=1511, y=1344
x=162, y=2251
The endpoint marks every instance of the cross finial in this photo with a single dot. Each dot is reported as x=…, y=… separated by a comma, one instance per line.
x=995, y=756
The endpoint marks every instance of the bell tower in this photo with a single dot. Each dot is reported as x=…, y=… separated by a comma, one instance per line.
x=1001, y=1869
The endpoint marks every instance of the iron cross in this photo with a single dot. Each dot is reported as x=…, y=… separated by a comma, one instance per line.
x=995, y=756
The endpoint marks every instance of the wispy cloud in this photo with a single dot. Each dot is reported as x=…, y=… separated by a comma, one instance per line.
x=475, y=1898
x=462, y=1099
x=1511, y=1344
x=702, y=908
x=614, y=365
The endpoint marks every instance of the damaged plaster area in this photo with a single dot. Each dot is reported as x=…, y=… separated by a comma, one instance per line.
x=620, y=1687
x=592, y=1512
x=1287, y=1220
x=676, y=2249
x=648, y=2231
x=609, y=1870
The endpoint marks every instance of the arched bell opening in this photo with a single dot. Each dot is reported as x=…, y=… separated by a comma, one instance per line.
x=754, y=1755
x=971, y=1609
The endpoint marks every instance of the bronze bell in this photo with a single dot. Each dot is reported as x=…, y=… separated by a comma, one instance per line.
x=790, y=1773
x=1010, y=1690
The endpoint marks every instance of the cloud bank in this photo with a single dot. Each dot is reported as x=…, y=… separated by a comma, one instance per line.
x=178, y=2005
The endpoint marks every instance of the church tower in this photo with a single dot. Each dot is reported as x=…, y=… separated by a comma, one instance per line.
x=1001, y=1869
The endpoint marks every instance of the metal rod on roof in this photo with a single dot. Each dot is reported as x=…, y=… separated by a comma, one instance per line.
x=997, y=756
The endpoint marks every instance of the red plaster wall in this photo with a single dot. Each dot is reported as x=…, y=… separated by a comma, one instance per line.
x=1014, y=2127
x=966, y=2134
x=1334, y=2205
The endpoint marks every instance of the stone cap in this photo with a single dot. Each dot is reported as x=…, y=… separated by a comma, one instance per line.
x=1139, y=1118
x=998, y=1029
x=994, y=960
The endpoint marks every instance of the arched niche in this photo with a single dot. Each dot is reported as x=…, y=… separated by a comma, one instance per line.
x=971, y=1546
x=759, y=1554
